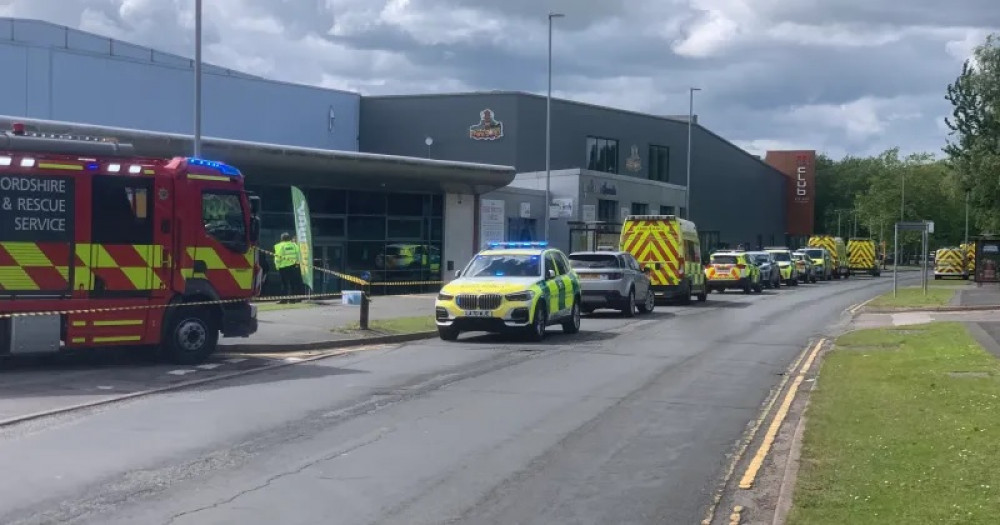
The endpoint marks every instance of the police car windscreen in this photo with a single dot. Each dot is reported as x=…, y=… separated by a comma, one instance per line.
x=724, y=259
x=760, y=258
x=505, y=266
x=593, y=260
x=815, y=254
x=781, y=256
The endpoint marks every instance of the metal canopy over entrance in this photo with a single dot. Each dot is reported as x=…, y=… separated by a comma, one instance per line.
x=264, y=163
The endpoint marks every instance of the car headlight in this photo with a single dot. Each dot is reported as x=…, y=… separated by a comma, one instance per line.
x=445, y=297
x=520, y=297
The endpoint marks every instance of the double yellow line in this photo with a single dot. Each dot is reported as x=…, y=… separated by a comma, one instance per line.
x=750, y=475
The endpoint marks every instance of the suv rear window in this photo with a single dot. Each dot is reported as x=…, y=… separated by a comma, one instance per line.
x=593, y=260
x=725, y=259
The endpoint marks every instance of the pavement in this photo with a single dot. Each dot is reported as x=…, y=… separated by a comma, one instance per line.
x=630, y=421
x=312, y=327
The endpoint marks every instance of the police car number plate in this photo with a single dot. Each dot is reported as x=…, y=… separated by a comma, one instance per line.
x=478, y=313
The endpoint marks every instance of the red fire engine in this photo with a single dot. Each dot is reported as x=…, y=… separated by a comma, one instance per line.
x=119, y=247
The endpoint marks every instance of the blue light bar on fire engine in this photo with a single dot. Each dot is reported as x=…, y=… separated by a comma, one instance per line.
x=221, y=167
x=514, y=245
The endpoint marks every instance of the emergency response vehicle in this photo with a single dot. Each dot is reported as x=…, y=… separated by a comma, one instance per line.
x=804, y=265
x=118, y=250
x=728, y=270
x=950, y=262
x=670, y=248
x=822, y=262
x=970, y=256
x=789, y=272
x=512, y=286
x=838, y=253
x=861, y=256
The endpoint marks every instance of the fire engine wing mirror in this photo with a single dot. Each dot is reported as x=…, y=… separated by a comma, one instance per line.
x=647, y=269
x=550, y=273
x=254, y=229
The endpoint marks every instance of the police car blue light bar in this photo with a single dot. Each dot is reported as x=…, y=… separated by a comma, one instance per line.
x=221, y=167
x=509, y=245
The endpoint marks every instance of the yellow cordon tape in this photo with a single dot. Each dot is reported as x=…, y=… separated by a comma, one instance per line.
x=350, y=278
x=172, y=305
x=358, y=280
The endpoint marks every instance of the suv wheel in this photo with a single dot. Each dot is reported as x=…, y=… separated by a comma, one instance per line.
x=628, y=310
x=536, y=331
x=647, y=306
x=572, y=325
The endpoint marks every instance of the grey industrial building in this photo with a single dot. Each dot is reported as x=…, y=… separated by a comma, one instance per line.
x=605, y=162
x=390, y=173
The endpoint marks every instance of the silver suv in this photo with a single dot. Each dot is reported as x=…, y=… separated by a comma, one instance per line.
x=770, y=275
x=612, y=280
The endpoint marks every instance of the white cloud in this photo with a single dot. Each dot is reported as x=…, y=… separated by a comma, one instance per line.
x=851, y=76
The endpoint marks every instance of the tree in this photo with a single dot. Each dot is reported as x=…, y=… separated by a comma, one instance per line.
x=974, y=151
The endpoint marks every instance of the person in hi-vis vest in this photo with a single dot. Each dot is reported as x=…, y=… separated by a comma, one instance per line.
x=286, y=260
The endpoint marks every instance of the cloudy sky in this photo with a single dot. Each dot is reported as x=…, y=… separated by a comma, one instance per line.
x=840, y=76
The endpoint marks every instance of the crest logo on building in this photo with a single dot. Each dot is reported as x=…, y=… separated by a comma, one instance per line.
x=488, y=127
x=634, y=161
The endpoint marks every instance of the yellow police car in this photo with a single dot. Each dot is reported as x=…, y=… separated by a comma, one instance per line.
x=512, y=286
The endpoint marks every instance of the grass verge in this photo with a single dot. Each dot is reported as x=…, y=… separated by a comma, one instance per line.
x=913, y=296
x=399, y=325
x=271, y=307
x=902, y=429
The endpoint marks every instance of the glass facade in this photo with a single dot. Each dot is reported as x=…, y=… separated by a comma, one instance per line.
x=602, y=154
x=659, y=163
x=381, y=236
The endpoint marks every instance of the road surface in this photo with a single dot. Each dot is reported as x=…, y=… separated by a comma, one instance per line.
x=630, y=421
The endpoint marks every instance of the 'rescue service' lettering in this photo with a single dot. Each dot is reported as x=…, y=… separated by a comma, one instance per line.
x=36, y=208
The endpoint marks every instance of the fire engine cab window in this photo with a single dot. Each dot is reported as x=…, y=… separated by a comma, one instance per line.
x=123, y=211
x=222, y=214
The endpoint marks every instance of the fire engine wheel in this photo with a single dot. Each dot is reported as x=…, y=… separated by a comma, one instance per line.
x=192, y=336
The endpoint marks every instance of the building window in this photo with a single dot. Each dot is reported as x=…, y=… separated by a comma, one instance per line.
x=659, y=163
x=640, y=208
x=602, y=154
x=607, y=210
x=666, y=210
x=684, y=213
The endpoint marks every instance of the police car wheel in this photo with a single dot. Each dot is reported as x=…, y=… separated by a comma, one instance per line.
x=192, y=336
x=537, y=329
x=572, y=325
x=447, y=333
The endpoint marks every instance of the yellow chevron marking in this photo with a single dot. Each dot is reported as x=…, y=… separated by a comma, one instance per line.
x=26, y=254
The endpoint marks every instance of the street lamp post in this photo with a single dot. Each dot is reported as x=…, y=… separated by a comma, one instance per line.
x=967, y=218
x=548, y=134
x=687, y=189
x=197, y=78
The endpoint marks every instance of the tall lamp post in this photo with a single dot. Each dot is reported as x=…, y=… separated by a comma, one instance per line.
x=197, y=78
x=548, y=134
x=687, y=190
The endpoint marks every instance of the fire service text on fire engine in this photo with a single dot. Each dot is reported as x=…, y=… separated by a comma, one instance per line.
x=35, y=208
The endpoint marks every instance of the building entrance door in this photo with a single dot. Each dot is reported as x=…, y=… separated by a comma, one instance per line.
x=328, y=256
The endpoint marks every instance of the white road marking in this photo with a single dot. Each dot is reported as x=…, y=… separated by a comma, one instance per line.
x=293, y=359
x=105, y=387
x=208, y=366
x=181, y=372
x=235, y=360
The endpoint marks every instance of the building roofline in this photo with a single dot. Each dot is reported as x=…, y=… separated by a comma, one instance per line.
x=514, y=93
x=221, y=71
